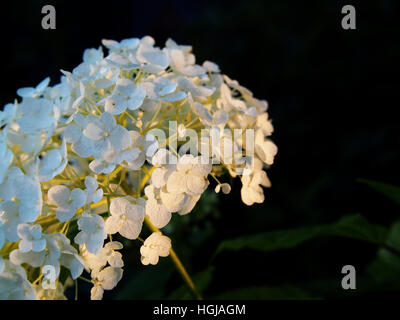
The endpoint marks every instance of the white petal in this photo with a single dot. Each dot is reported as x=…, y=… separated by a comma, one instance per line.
x=58, y=195
x=64, y=214
x=195, y=184
x=94, y=244
x=24, y=231
x=113, y=224
x=25, y=246
x=120, y=138
x=110, y=277
x=176, y=182
x=157, y=213
x=91, y=183
x=158, y=177
x=172, y=201
x=137, y=98
x=72, y=133
x=107, y=121
x=80, y=238
x=93, y=131
x=130, y=229
x=189, y=204
x=118, y=206
x=114, y=105
x=26, y=92
x=38, y=245
x=116, y=260
x=96, y=293
x=43, y=85
x=78, y=197
x=76, y=268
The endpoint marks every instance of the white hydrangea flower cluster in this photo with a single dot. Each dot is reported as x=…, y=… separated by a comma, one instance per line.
x=85, y=159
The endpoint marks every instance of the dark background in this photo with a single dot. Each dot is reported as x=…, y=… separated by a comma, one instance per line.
x=333, y=97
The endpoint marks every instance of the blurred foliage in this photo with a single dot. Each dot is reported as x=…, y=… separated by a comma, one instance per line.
x=392, y=192
x=382, y=273
x=202, y=280
x=354, y=226
x=386, y=267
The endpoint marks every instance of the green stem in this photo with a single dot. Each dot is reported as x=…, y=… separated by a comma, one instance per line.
x=84, y=279
x=178, y=264
x=174, y=257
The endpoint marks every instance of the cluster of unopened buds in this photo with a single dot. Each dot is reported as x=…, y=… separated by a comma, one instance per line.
x=125, y=139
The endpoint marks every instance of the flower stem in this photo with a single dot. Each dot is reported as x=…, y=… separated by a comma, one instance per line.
x=178, y=264
x=84, y=279
x=174, y=257
x=76, y=289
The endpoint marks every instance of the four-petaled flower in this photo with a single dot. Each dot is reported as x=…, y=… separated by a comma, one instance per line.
x=105, y=279
x=31, y=238
x=126, y=95
x=66, y=201
x=107, y=135
x=92, y=232
x=155, y=246
x=126, y=217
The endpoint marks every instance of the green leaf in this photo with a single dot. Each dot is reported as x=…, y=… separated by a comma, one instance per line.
x=356, y=227
x=353, y=226
x=386, y=267
x=285, y=292
x=201, y=280
x=388, y=190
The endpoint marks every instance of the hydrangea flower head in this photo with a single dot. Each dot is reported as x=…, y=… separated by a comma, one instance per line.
x=129, y=138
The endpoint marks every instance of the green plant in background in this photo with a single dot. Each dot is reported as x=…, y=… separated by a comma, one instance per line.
x=383, y=271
